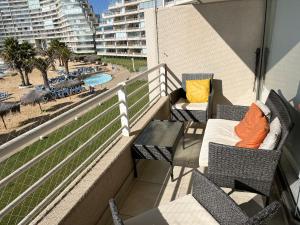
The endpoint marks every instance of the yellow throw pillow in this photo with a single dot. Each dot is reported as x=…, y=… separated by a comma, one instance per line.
x=197, y=91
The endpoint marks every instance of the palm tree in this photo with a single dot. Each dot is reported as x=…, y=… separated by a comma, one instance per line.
x=27, y=53
x=51, y=54
x=54, y=47
x=60, y=51
x=43, y=64
x=28, y=67
x=12, y=56
x=65, y=55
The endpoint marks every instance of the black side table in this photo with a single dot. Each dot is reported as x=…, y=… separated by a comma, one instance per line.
x=158, y=141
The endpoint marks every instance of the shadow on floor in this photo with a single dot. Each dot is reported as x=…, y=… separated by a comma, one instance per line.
x=153, y=186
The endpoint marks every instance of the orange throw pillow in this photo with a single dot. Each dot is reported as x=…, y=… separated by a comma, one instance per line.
x=256, y=134
x=244, y=128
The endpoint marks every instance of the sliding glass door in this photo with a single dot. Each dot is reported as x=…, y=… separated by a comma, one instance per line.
x=281, y=72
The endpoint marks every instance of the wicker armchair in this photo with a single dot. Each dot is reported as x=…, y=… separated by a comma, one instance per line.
x=182, y=110
x=247, y=169
x=207, y=204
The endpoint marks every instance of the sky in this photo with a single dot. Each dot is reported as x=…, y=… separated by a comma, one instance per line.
x=99, y=5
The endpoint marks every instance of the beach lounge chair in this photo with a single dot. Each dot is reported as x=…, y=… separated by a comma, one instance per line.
x=4, y=96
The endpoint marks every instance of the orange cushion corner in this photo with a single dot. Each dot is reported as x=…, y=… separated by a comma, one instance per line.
x=252, y=129
x=243, y=129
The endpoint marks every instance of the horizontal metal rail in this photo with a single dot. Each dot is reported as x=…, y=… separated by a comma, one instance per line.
x=44, y=178
x=137, y=115
x=143, y=86
x=16, y=144
x=150, y=81
x=145, y=73
x=146, y=95
x=52, y=148
x=137, y=90
x=47, y=127
x=67, y=180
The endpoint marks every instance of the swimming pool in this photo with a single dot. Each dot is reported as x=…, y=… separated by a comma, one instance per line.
x=97, y=79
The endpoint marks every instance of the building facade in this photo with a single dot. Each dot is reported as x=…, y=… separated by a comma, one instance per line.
x=122, y=30
x=40, y=21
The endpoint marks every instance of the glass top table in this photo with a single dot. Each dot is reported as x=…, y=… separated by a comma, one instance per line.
x=158, y=141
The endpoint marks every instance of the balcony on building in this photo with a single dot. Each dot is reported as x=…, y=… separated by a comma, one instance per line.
x=251, y=47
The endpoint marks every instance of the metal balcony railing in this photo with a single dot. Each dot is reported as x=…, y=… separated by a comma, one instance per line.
x=39, y=165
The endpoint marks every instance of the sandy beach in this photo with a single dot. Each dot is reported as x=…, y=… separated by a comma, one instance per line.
x=31, y=116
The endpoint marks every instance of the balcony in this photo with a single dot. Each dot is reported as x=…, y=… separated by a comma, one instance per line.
x=74, y=163
x=66, y=170
x=126, y=3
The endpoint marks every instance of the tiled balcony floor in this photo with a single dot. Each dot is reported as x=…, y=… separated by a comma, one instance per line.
x=154, y=187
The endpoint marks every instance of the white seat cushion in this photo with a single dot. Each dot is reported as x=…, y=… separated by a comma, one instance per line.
x=183, y=211
x=218, y=131
x=183, y=104
x=273, y=137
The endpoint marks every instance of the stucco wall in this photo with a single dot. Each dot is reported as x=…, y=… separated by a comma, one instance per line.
x=218, y=37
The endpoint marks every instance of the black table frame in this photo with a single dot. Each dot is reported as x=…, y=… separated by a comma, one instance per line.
x=153, y=151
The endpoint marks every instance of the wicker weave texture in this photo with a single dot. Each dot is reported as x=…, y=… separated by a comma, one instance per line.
x=230, y=112
x=152, y=153
x=217, y=202
x=189, y=115
x=117, y=220
x=192, y=115
x=195, y=76
x=265, y=215
x=248, y=169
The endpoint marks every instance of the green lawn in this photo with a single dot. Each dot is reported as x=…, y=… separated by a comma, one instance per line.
x=26, y=179
x=140, y=64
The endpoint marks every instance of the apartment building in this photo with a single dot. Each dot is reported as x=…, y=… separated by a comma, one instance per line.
x=40, y=21
x=122, y=30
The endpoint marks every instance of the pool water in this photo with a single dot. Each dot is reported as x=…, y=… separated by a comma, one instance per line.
x=97, y=79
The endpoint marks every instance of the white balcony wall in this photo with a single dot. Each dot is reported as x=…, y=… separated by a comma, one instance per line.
x=151, y=40
x=87, y=202
x=220, y=38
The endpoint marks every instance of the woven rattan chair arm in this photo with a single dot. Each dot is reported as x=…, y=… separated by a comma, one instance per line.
x=231, y=112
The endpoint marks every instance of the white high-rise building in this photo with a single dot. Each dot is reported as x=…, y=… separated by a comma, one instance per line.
x=122, y=30
x=39, y=21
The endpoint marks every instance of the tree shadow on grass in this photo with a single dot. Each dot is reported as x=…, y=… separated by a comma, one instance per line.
x=38, y=119
x=87, y=93
x=29, y=124
x=58, y=106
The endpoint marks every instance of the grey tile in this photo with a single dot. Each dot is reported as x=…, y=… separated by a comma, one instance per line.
x=153, y=171
x=154, y=187
x=142, y=197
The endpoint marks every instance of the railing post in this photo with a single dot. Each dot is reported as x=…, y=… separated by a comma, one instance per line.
x=123, y=110
x=163, y=80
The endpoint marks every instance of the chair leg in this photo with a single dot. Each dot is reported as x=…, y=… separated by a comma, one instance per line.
x=171, y=172
x=267, y=200
x=135, y=168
